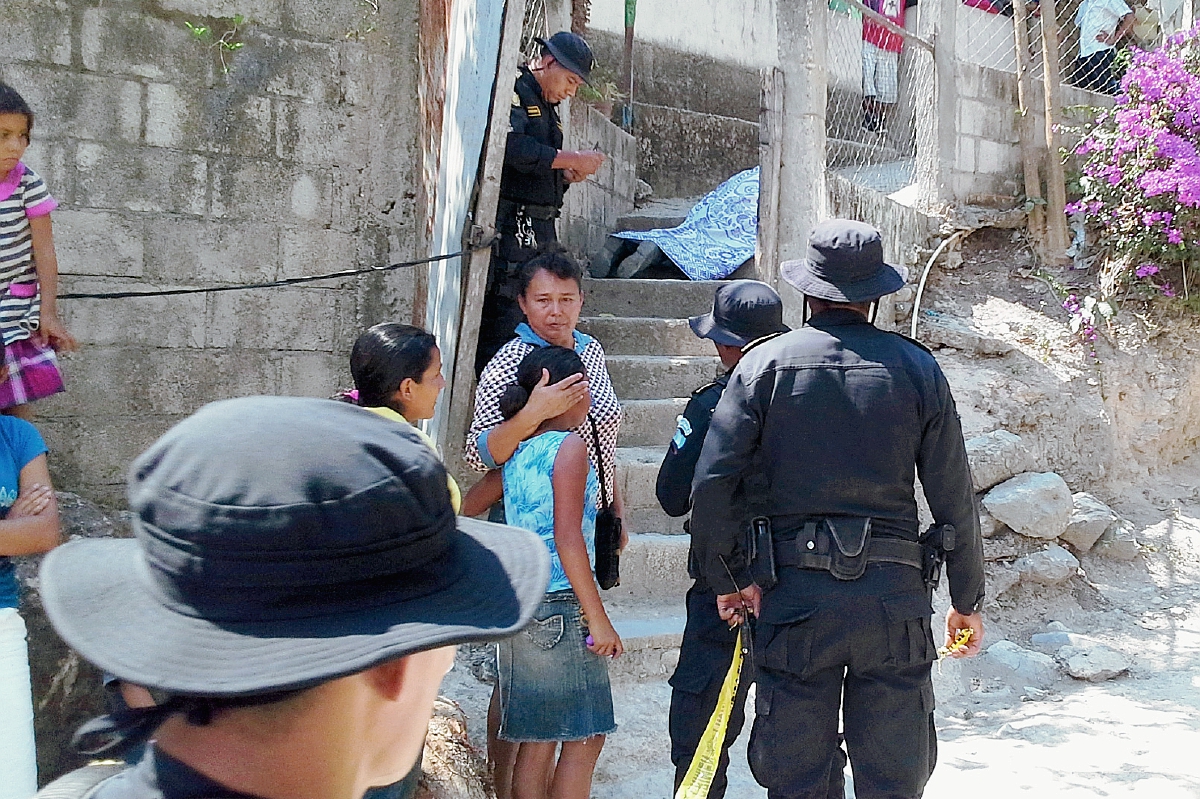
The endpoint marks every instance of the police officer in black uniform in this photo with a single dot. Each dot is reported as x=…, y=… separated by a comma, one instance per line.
x=839, y=418
x=745, y=313
x=537, y=171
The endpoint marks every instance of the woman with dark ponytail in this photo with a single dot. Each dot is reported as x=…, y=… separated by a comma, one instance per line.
x=397, y=372
x=553, y=677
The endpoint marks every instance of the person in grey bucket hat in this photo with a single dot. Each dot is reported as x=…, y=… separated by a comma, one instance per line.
x=295, y=584
x=820, y=437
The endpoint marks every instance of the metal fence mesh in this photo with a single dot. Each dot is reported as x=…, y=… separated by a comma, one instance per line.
x=879, y=130
x=535, y=25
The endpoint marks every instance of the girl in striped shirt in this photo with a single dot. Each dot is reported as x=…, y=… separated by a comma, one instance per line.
x=29, y=323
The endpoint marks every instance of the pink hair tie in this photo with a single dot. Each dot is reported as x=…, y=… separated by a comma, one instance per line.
x=353, y=394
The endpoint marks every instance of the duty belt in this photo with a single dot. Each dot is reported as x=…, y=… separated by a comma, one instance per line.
x=844, y=547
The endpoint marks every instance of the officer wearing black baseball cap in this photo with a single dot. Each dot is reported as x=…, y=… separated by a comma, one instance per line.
x=537, y=171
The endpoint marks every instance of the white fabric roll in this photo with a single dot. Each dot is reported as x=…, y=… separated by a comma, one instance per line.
x=18, y=757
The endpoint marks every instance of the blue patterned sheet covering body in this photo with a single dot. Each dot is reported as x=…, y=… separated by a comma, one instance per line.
x=719, y=233
x=529, y=499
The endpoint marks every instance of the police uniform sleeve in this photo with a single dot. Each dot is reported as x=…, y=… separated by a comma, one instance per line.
x=946, y=477
x=674, y=486
x=725, y=460
x=522, y=151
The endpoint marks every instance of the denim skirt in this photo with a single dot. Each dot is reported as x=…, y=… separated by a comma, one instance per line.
x=552, y=687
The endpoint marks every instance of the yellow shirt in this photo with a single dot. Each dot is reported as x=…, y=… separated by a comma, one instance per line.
x=455, y=493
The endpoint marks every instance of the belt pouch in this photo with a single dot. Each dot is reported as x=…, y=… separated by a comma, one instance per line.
x=848, y=556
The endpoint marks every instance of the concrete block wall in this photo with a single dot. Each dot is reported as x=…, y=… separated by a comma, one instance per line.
x=591, y=209
x=171, y=172
x=988, y=147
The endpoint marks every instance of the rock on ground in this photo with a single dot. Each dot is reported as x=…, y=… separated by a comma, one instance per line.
x=1035, y=504
x=1052, y=565
x=1093, y=662
x=451, y=767
x=1027, y=666
x=995, y=457
x=1117, y=543
x=1090, y=518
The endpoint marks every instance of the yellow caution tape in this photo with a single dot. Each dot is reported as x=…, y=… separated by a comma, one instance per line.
x=700, y=773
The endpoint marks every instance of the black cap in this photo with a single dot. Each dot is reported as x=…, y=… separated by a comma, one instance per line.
x=743, y=311
x=844, y=264
x=570, y=50
x=281, y=542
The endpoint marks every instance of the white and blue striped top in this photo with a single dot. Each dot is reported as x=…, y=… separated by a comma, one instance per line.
x=23, y=195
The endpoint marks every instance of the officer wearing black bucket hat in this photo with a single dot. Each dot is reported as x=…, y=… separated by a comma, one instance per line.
x=295, y=585
x=537, y=171
x=745, y=312
x=838, y=419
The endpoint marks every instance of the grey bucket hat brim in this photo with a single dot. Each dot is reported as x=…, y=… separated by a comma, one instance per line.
x=96, y=594
x=799, y=274
x=706, y=326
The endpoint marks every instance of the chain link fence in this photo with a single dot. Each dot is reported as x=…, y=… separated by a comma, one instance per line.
x=881, y=96
x=536, y=25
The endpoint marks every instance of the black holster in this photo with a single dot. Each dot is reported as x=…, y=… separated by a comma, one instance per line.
x=935, y=543
x=760, y=553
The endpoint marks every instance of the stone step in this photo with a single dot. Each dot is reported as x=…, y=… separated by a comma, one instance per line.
x=637, y=377
x=653, y=521
x=653, y=571
x=637, y=335
x=660, y=299
x=668, y=212
x=650, y=423
x=651, y=644
x=637, y=472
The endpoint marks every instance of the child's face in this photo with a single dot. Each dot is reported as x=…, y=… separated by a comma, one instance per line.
x=576, y=415
x=14, y=138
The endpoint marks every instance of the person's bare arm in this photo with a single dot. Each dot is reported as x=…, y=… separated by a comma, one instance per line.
x=569, y=481
x=1123, y=28
x=484, y=494
x=51, y=331
x=582, y=162
x=31, y=526
x=546, y=402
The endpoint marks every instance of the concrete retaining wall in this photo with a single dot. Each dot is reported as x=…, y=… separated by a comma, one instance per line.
x=300, y=160
x=591, y=209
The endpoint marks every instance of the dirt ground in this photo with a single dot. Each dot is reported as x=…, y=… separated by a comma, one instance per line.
x=1123, y=425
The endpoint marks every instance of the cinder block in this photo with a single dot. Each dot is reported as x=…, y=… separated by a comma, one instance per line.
x=995, y=158
x=267, y=13
x=153, y=321
x=314, y=133
x=79, y=106
x=965, y=160
x=37, y=31
x=141, y=179
x=55, y=162
x=98, y=243
x=220, y=120
x=117, y=42
x=201, y=252
x=315, y=251
x=289, y=67
x=268, y=190
x=275, y=319
x=975, y=118
x=308, y=374
x=331, y=21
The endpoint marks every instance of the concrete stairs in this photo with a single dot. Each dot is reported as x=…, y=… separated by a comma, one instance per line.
x=655, y=362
